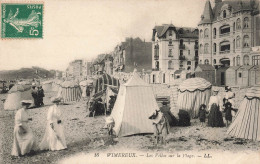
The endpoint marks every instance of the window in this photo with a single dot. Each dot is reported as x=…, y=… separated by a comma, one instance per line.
x=240, y=74
x=256, y=60
x=234, y=45
x=170, y=41
x=234, y=61
x=188, y=62
x=224, y=46
x=189, y=52
x=246, y=60
x=238, y=61
x=234, y=27
x=157, y=65
x=206, y=48
x=189, y=41
x=214, y=48
x=238, y=24
x=156, y=50
x=170, y=53
x=246, y=22
x=225, y=29
x=200, y=61
x=201, y=49
x=224, y=14
x=214, y=32
x=206, y=62
x=214, y=61
x=246, y=41
x=181, y=52
x=201, y=34
x=238, y=42
x=181, y=42
x=206, y=33
x=170, y=33
x=170, y=65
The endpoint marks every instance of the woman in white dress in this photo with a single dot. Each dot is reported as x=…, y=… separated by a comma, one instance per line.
x=24, y=141
x=54, y=138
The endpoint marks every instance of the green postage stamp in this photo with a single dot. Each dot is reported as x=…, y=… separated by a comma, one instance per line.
x=21, y=20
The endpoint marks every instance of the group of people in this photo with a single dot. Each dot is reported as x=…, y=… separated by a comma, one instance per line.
x=53, y=139
x=215, y=106
x=38, y=94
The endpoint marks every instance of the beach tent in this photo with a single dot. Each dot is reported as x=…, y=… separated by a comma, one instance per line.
x=100, y=84
x=69, y=91
x=135, y=102
x=192, y=93
x=56, y=84
x=47, y=85
x=15, y=95
x=246, y=123
x=84, y=84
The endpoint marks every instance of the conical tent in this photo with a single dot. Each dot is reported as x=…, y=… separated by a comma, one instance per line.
x=47, y=85
x=246, y=123
x=135, y=102
x=70, y=91
x=15, y=95
x=192, y=93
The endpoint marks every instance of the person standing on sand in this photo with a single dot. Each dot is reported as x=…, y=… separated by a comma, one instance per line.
x=215, y=116
x=202, y=114
x=54, y=138
x=24, y=141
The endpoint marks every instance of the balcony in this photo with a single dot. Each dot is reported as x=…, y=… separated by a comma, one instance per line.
x=224, y=52
x=224, y=34
x=155, y=69
x=196, y=47
x=181, y=57
x=156, y=57
x=182, y=46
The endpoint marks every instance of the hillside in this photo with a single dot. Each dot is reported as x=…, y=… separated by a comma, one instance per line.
x=26, y=73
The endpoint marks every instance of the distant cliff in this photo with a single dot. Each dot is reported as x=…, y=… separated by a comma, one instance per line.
x=27, y=73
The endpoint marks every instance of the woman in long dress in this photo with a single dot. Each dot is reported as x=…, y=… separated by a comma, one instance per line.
x=215, y=118
x=54, y=138
x=24, y=141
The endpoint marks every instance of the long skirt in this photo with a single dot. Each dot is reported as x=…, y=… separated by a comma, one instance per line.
x=215, y=118
x=23, y=142
x=53, y=139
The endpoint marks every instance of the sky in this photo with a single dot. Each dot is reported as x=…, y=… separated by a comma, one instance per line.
x=83, y=29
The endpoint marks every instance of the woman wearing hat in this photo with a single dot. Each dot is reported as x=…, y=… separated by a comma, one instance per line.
x=54, y=138
x=215, y=118
x=23, y=137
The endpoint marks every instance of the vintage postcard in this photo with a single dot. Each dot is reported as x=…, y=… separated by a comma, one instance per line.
x=140, y=81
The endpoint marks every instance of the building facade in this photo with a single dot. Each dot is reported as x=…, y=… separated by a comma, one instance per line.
x=227, y=33
x=174, y=48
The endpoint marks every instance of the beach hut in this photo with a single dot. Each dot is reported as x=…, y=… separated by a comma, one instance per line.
x=246, y=123
x=84, y=84
x=155, y=77
x=47, y=85
x=221, y=76
x=254, y=78
x=100, y=84
x=15, y=95
x=69, y=91
x=231, y=75
x=206, y=72
x=134, y=103
x=243, y=75
x=192, y=93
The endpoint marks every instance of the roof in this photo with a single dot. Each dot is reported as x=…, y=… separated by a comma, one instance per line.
x=247, y=67
x=207, y=15
x=234, y=67
x=206, y=67
x=135, y=80
x=194, y=84
x=253, y=92
x=256, y=67
x=177, y=72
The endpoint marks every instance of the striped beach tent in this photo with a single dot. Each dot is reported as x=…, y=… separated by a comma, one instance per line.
x=192, y=93
x=246, y=123
x=15, y=95
x=69, y=91
x=100, y=84
x=135, y=102
x=47, y=85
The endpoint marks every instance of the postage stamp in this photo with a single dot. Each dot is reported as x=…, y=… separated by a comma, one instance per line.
x=21, y=20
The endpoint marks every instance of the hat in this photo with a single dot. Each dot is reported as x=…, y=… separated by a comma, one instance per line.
x=26, y=102
x=55, y=99
x=215, y=90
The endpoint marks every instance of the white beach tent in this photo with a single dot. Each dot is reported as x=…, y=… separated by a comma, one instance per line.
x=47, y=85
x=134, y=103
x=15, y=95
x=246, y=123
x=192, y=93
x=83, y=86
x=56, y=85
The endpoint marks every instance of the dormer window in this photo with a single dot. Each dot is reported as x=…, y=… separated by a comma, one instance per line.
x=170, y=33
x=224, y=14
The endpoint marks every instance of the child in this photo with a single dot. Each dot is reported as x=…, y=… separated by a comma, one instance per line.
x=228, y=114
x=202, y=114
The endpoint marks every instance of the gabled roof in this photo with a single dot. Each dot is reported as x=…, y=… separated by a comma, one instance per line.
x=206, y=67
x=234, y=67
x=135, y=80
x=207, y=15
x=247, y=67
